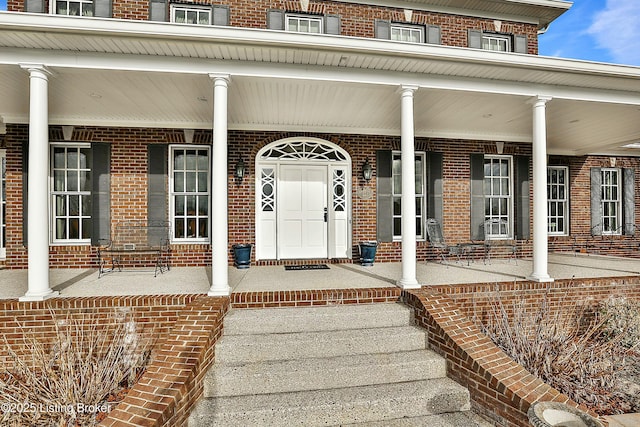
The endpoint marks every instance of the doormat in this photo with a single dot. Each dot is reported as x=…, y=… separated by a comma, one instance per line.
x=306, y=267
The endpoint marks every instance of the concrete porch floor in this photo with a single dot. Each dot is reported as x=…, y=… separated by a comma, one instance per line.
x=85, y=282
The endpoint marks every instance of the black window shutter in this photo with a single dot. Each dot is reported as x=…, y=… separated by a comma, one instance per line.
x=522, y=197
x=158, y=10
x=102, y=8
x=477, y=196
x=384, y=213
x=520, y=44
x=100, y=192
x=332, y=24
x=475, y=39
x=25, y=190
x=596, y=201
x=433, y=34
x=275, y=20
x=383, y=29
x=628, y=201
x=220, y=15
x=434, y=185
x=34, y=6
x=157, y=183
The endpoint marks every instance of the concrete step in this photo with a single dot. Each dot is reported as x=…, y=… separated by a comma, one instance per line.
x=242, y=349
x=323, y=373
x=340, y=406
x=309, y=319
x=453, y=419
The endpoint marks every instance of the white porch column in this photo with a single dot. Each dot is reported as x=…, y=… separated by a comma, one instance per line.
x=39, y=287
x=540, y=239
x=408, y=280
x=219, y=180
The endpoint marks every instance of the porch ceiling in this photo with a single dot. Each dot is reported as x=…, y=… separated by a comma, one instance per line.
x=141, y=74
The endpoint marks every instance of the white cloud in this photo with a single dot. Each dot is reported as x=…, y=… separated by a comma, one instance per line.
x=617, y=30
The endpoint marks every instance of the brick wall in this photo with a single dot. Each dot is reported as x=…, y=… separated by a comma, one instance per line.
x=129, y=191
x=356, y=20
x=155, y=314
x=500, y=389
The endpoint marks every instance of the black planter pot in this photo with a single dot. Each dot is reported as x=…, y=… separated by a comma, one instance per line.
x=368, y=253
x=242, y=255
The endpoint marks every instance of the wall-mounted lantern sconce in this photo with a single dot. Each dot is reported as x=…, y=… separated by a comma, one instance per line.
x=367, y=171
x=240, y=169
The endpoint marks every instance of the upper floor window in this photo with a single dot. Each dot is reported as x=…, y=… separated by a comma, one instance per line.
x=407, y=33
x=558, y=200
x=188, y=14
x=498, y=42
x=74, y=7
x=304, y=24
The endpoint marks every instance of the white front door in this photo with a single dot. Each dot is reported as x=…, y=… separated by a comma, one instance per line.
x=302, y=211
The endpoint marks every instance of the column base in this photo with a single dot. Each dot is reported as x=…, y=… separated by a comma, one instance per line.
x=534, y=277
x=408, y=284
x=219, y=291
x=29, y=297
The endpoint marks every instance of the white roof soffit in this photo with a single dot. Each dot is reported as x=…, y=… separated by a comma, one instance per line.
x=540, y=12
x=148, y=46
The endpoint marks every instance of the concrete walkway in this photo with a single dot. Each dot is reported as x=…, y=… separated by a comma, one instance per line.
x=85, y=282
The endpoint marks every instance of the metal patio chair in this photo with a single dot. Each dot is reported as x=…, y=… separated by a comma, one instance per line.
x=437, y=242
x=499, y=227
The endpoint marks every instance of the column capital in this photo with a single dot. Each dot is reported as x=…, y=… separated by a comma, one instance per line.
x=408, y=89
x=37, y=70
x=219, y=77
x=540, y=100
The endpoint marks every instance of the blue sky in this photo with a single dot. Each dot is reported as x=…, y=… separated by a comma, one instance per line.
x=596, y=30
x=593, y=30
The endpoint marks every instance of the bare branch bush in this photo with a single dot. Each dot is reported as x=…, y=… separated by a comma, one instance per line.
x=66, y=379
x=565, y=348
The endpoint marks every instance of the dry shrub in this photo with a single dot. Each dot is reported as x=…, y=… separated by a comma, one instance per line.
x=565, y=349
x=622, y=318
x=71, y=378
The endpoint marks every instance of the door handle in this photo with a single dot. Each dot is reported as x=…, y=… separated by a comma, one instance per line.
x=326, y=215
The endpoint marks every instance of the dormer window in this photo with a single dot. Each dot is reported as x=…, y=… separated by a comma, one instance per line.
x=74, y=7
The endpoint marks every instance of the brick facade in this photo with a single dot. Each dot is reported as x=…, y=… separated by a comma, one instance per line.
x=356, y=20
x=129, y=191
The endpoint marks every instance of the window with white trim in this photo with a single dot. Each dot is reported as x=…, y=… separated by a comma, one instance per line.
x=497, y=42
x=303, y=24
x=396, y=184
x=71, y=195
x=189, y=192
x=189, y=14
x=407, y=33
x=611, y=201
x=3, y=203
x=558, y=200
x=498, y=195
x=74, y=7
